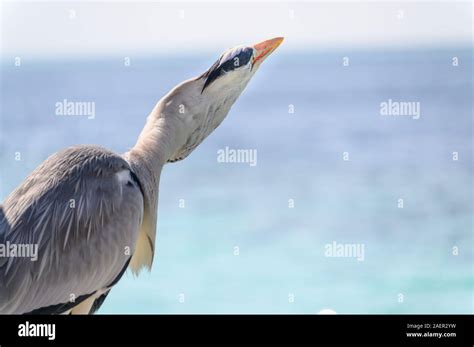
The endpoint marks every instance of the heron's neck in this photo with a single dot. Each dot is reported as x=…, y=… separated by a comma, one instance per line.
x=152, y=150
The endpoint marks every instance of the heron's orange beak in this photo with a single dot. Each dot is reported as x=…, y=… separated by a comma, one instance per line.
x=265, y=48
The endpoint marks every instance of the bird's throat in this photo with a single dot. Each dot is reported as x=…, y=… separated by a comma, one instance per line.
x=146, y=159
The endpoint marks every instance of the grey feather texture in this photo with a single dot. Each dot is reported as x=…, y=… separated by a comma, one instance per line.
x=77, y=210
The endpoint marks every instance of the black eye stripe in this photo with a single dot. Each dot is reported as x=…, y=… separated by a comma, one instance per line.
x=219, y=68
x=212, y=74
x=239, y=60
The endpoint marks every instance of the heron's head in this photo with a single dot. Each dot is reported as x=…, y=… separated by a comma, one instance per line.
x=199, y=105
x=235, y=67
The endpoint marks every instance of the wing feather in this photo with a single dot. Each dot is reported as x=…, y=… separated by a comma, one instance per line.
x=81, y=217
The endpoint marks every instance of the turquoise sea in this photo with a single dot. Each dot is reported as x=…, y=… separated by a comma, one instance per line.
x=237, y=246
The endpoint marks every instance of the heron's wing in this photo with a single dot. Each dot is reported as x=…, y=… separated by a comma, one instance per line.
x=82, y=209
x=3, y=230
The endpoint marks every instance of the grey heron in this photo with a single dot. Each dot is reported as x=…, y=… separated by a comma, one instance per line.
x=93, y=213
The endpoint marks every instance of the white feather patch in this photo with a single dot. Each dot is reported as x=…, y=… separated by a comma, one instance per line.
x=124, y=176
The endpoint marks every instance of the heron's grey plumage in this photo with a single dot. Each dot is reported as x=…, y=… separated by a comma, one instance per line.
x=69, y=207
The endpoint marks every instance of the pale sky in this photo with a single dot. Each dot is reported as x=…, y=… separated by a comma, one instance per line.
x=68, y=28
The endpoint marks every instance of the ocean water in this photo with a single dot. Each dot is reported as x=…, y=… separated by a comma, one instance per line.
x=418, y=258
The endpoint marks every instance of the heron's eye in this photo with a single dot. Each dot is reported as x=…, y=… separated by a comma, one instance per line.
x=227, y=62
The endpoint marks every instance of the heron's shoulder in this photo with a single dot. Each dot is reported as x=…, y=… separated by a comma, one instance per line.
x=69, y=169
x=84, y=159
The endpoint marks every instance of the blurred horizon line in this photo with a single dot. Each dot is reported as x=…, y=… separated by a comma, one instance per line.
x=151, y=54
